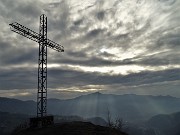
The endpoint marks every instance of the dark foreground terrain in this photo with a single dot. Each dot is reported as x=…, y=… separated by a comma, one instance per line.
x=71, y=128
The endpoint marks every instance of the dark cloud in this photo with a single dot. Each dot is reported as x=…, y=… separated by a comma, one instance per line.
x=77, y=78
x=21, y=56
x=82, y=59
x=170, y=41
x=94, y=33
x=4, y=45
x=93, y=61
x=84, y=30
x=29, y=9
x=168, y=2
x=100, y=15
x=78, y=22
x=21, y=78
x=18, y=78
x=12, y=54
x=160, y=60
x=29, y=57
x=59, y=20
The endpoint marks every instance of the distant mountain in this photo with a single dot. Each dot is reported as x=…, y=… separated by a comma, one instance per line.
x=17, y=106
x=168, y=124
x=130, y=107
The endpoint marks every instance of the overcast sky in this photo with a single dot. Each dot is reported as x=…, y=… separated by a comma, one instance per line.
x=111, y=46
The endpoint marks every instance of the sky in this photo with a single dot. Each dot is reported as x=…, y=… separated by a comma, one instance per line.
x=111, y=46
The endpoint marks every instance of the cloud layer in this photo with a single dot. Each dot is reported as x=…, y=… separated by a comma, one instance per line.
x=107, y=43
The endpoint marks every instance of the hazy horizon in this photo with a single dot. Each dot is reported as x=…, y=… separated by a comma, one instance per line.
x=84, y=94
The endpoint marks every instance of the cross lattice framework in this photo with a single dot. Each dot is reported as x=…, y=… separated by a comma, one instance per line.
x=44, y=42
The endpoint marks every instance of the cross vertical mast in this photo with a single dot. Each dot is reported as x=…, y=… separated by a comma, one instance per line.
x=42, y=119
x=42, y=68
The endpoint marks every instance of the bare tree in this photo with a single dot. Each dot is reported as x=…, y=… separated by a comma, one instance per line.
x=109, y=119
x=119, y=123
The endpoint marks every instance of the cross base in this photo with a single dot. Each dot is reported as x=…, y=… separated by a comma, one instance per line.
x=38, y=122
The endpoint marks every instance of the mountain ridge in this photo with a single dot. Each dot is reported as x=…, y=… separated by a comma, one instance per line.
x=166, y=124
x=96, y=93
x=130, y=107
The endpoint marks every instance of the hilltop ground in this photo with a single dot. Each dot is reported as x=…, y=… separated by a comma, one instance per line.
x=72, y=128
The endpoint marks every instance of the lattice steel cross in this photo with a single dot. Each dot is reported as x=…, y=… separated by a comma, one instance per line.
x=41, y=38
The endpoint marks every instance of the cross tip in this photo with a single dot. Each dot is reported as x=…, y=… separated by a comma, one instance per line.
x=43, y=15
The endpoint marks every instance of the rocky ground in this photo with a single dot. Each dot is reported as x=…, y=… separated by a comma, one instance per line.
x=71, y=128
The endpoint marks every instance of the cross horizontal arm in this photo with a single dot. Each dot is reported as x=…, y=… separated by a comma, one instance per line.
x=55, y=46
x=26, y=32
